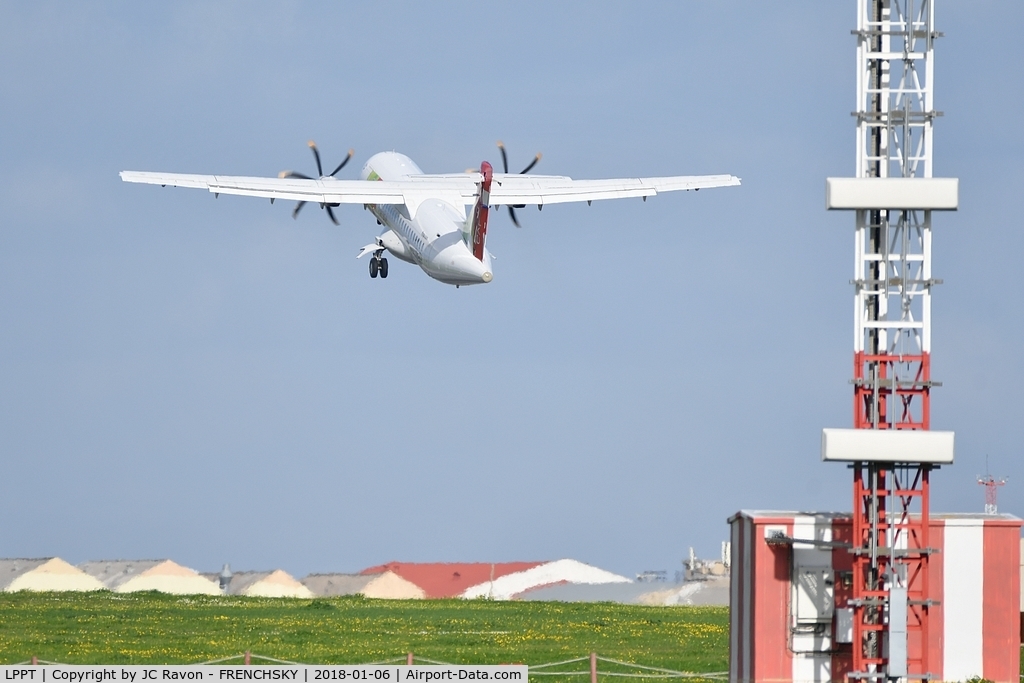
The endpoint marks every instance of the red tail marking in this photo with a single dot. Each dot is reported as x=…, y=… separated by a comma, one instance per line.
x=480, y=211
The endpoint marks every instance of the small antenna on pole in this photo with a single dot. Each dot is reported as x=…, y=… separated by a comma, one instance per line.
x=991, y=485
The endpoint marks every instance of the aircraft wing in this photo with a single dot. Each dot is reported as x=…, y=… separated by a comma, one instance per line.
x=512, y=189
x=507, y=189
x=326, y=191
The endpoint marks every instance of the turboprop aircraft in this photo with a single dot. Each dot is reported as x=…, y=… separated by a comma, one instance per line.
x=425, y=216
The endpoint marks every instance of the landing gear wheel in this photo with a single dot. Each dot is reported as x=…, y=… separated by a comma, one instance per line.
x=374, y=266
x=383, y=267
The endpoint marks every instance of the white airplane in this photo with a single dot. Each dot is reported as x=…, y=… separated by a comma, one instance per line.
x=425, y=215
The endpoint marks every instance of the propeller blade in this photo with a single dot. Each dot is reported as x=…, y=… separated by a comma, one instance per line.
x=342, y=164
x=298, y=207
x=316, y=153
x=331, y=214
x=531, y=164
x=292, y=174
x=512, y=215
x=504, y=156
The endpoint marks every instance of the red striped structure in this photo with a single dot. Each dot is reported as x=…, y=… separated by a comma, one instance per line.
x=974, y=585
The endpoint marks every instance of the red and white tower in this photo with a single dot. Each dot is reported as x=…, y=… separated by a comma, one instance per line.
x=885, y=594
x=893, y=194
x=991, y=485
x=893, y=266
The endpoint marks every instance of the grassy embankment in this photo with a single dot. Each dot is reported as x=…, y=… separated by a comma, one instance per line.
x=152, y=628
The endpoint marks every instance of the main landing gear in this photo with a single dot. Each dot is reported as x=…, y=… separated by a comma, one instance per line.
x=378, y=264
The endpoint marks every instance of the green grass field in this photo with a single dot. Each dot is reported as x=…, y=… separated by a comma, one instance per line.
x=153, y=628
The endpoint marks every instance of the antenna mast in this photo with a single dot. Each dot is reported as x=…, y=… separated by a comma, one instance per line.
x=991, y=485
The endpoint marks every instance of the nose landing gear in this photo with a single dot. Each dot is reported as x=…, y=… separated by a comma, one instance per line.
x=378, y=264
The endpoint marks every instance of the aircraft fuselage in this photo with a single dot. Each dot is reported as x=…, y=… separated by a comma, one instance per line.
x=434, y=236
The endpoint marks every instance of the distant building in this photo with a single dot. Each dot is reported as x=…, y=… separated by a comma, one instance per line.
x=705, y=592
x=449, y=579
x=274, y=584
x=974, y=570
x=165, y=576
x=497, y=581
x=44, y=574
x=386, y=585
x=697, y=569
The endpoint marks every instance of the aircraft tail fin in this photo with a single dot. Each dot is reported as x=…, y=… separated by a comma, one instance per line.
x=478, y=220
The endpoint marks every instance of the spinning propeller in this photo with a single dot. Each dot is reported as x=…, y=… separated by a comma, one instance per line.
x=321, y=176
x=504, y=163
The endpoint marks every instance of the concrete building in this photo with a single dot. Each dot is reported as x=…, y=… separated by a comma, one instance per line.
x=273, y=584
x=710, y=592
x=494, y=580
x=790, y=619
x=165, y=576
x=44, y=574
x=513, y=584
x=386, y=585
x=449, y=579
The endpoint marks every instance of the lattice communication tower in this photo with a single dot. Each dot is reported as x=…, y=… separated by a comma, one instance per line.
x=991, y=485
x=893, y=275
x=893, y=195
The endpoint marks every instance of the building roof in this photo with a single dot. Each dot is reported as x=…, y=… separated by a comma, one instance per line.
x=337, y=584
x=386, y=585
x=1000, y=517
x=785, y=514
x=449, y=579
x=390, y=585
x=626, y=593
x=166, y=576
x=546, y=574
x=113, y=573
x=710, y=592
x=714, y=592
x=44, y=574
x=272, y=584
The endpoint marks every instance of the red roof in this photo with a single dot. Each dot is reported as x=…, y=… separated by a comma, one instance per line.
x=449, y=579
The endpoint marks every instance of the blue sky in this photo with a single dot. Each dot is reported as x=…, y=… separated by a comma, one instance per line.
x=211, y=381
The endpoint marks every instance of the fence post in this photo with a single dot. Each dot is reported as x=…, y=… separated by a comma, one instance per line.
x=593, y=667
x=35, y=660
x=248, y=658
x=408, y=659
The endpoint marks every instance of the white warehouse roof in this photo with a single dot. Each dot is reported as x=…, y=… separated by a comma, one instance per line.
x=44, y=574
x=165, y=576
x=275, y=584
x=386, y=585
x=511, y=585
